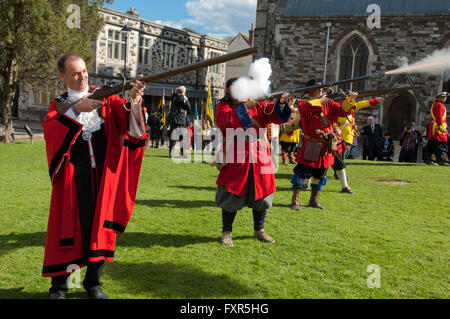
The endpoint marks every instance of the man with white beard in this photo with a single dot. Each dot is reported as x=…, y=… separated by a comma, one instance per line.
x=94, y=151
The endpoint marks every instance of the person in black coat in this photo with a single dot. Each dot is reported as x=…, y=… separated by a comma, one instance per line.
x=374, y=139
x=178, y=115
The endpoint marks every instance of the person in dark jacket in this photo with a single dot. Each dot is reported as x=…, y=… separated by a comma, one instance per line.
x=374, y=135
x=178, y=115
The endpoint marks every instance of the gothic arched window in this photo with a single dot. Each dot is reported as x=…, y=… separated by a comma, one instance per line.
x=354, y=59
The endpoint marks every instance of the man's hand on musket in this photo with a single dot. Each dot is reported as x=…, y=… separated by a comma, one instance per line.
x=285, y=97
x=250, y=103
x=380, y=100
x=137, y=91
x=352, y=94
x=87, y=105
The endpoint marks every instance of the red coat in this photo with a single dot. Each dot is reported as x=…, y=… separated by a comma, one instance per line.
x=234, y=176
x=439, y=121
x=116, y=196
x=311, y=121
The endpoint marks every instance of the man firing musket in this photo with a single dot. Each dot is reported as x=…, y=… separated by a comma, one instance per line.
x=95, y=144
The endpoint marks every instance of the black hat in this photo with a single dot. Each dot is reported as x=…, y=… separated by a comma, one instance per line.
x=228, y=89
x=311, y=82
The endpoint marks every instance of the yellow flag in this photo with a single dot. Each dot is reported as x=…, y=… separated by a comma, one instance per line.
x=161, y=109
x=209, y=106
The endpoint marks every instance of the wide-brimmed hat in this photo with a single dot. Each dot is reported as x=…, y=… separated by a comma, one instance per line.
x=311, y=82
x=442, y=94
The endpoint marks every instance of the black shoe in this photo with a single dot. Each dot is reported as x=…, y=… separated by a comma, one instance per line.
x=444, y=164
x=97, y=293
x=58, y=295
x=347, y=190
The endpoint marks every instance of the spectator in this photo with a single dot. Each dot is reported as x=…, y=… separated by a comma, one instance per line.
x=417, y=141
x=374, y=135
x=155, y=129
x=408, y=150
x=388, y=147
x=178, y=115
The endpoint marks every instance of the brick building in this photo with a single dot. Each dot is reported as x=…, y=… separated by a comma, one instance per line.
x=145, y=48
x=294, y=33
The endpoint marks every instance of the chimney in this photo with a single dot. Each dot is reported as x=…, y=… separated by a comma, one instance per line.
x=251, y=35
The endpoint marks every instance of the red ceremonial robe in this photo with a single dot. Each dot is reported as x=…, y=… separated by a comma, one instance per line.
x=312, y=121
x=116, y=194
x=233, y=177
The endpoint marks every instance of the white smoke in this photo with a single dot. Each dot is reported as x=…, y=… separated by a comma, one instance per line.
x=435, y=63
x=401, y=61
x=256, y=85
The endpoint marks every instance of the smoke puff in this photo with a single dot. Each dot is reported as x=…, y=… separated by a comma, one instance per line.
x=256, y=85
x=435, y=63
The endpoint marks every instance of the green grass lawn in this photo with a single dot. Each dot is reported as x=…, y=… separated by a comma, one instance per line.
x=171, y=248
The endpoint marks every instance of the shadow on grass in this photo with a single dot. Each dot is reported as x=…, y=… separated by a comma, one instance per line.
x=176, y=203
x=17, y=293
x=169, y=280
x=14, y=241
x=143, y=240
x=199, y=188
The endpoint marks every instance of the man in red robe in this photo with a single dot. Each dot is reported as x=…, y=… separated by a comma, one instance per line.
x=94, y=152
x=438, y=140
x=314, y=156
x=247, y=176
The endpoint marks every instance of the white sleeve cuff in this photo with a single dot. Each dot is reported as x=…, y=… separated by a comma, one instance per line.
x=137, y=125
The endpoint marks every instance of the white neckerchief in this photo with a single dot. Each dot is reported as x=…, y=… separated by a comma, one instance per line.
x=91, y=120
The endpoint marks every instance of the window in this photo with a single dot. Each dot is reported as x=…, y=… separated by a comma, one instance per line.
x=354, y=60
x=43, y=97
x=117, y=45
x=214, y=68
x=144, y=51
x=168, y=54
x=189, y=58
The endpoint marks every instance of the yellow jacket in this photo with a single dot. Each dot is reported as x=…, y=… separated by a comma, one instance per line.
x=293, y=138
x=346, y=124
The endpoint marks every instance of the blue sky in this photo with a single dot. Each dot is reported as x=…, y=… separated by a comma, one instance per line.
x=215, y=17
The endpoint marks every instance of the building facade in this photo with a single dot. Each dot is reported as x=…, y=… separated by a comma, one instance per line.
x=143, y=48
x=339, y=39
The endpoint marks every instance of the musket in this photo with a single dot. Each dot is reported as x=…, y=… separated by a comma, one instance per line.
x=328, y=84
x=107, y=91
x=102, y=93
x=374, y=93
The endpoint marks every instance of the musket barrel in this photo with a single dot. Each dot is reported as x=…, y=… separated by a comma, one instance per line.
x=329, y=84
x=108, y=91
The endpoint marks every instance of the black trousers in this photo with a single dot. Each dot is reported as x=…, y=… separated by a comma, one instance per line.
x=259, y=218
x=91, y=279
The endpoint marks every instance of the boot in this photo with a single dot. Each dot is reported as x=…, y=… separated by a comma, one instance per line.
x=314, y=200
x=263, y=236
x=291, y=158
x=294, y=202
x=226, y=239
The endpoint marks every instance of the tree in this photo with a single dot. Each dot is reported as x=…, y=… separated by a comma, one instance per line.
x=33, y=35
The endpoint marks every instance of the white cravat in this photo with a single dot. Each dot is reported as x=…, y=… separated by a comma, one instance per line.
x=91, y=121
